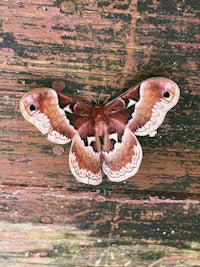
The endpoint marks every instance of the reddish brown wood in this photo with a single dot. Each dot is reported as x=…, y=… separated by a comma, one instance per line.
x=96, y=46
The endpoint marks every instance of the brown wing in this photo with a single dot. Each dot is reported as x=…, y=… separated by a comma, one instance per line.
x=124, y=160
x=85, y=163
x=147, y=104
x=139, y=111
x=62, y=118
x=52, y=113
x=156, y=97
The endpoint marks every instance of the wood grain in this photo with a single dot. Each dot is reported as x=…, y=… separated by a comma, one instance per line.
x=100, y=228
x=95, y=46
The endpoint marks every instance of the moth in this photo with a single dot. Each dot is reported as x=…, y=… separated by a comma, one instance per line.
x=103, y=135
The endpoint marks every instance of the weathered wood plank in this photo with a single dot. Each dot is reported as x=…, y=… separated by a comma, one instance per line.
x=99, y=45
x=60, y=245
x=96, y=228
x=47, y=218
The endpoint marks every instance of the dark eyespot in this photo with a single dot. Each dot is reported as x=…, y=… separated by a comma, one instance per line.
x=166, y=94
x=33, y=107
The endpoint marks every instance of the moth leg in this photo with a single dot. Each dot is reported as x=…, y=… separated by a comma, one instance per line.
x=85, y=163
x=124, y=160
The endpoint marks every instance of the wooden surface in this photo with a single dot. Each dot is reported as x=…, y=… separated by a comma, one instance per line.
x=47, y=217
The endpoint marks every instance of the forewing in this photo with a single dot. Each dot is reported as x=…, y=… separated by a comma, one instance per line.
x=85, y=163
x=123, y=161
x=156, y=96
x=51, y=113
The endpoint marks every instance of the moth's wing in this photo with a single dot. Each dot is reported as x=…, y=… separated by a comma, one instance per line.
x=85, y=162
x=123, y=161
x=140, y=111
x=69, y=99
x=148, y=104
x=121, y=151
x=51, y=113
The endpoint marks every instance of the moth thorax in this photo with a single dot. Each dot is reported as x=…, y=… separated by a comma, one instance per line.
x=99, y=120
x=100, y=128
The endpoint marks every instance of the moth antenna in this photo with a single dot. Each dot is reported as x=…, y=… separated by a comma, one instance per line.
x=100, y=96
x=94, y=99
x=103, y=97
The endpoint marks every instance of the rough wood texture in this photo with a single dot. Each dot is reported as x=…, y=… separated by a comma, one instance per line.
x=98, y=228
x=153, y=218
